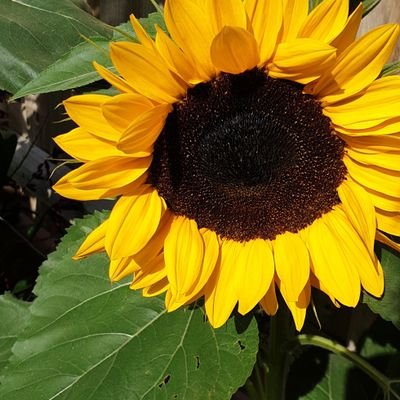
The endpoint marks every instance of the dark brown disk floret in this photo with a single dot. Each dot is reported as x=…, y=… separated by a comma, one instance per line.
x=249, y=157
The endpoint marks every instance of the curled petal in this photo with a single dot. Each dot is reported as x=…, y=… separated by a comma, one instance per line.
x=86, y=111
x=94, y=242
x=146, y=72
x=234, y=50
x=136, y=217
x=301, y=60
x=326, y=21
x=358, y=66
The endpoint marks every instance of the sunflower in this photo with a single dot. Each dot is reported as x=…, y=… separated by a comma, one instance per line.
x=255, y=147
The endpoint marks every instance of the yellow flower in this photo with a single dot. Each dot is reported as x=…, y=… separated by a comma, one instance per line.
x=255, y=147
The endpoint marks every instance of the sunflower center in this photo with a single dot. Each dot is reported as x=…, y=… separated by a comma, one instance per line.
x=249, y=157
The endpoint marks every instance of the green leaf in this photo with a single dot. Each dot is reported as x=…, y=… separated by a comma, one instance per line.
x=14, y=314
x=313, y=3
x=148, y=24
x=369, y=5
x=333, y=385
x=75, y=68
x=72, y=70
x=391, y=69
x=90, y=339
x=389, y=306
x=36, y=33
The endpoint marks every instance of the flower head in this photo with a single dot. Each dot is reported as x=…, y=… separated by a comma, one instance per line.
x=254, y=147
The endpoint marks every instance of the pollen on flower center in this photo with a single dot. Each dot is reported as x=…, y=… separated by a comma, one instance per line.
x=249, y=157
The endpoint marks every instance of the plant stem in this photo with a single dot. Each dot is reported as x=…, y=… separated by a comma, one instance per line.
x=337, y=348
x=272, y=362
x=157, y=6
x=281, y=331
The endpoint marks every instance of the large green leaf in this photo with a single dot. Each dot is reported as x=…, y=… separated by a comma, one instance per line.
x=89, y=339
x=389, y=306
x=333, y=385
x=13, y=315
x=72, y=70
x=75, y=68
x=36, y=33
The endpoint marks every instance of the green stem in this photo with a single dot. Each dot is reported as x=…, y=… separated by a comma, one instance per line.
x=337, y=348
x=156, y=6
x=273, y=359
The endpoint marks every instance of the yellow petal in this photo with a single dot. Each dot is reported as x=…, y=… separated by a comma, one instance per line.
x=320, y=286
x=221, y=292
x=373, y=144
x=292, y=263
x=388, y=127
x=94, y=242
x=388, y=222
x=234, y=50
x=211, y=255
x=295, y=13
x=301, y=60
x=229, y=13
x=358, y=66
x=326, y=21
x=360, y=211
x=133, y=221
x=120, y=268
x=367, y=265
x=120, y=111
x=389, y=160
x=111, y=172
x=333, y=260
x=99, y=179
x=184, y=253
x=349, y=33
x=156, y=289
x=193, y=29
x=256, y=265
x=175, y=58
x=113, y=79
x=141, y=34
x=146, y=72
x=376, y=178
x=67, y=190
x=269, y=302
x=266, y=18
x=156, y=243
x=383, y=201
x=85, y=110
x=298, y=308
x=361, y=111
x=381, y=237
x=378, y=285
x=154, y=272
x=139, y=137
x=83, y=146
